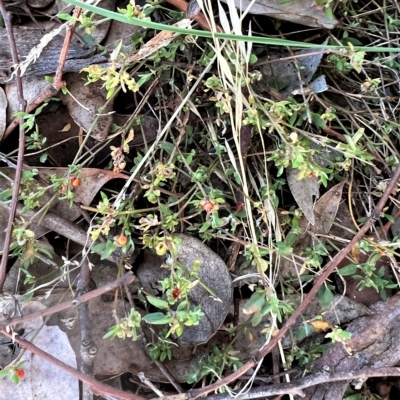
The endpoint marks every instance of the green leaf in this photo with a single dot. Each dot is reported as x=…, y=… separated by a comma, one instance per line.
x=14, y=378
x=109, y=248
x=4, y=372
x=111, y=333
x=167, y=146
x=349, y=269
x=157, y=302
x=255, y=303
x=304, y=331
x=157, y=318
x=325, y=295
x=65, y=17
x=43, y=158
x=196, y=32
x=256, y=319
x=284, y=249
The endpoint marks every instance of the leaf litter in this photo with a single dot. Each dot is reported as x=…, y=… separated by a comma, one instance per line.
x=80, y=122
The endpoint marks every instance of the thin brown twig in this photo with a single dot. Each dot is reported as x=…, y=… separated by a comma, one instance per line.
x=7, y=17
x=196, y=393
x=127, y=278
x=97, y=387
x=296, y=387
x=199, y=17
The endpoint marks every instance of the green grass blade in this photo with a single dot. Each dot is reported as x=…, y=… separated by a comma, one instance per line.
x=206, y=34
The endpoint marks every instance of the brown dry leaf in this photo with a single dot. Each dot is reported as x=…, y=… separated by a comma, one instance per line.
x=62, y=144
x=92, y=180
x=84, y=107
x=31, y=86
x=116, y=356
x=304, y=12
x=66, y=128
x=283, y=75
x=120, y=30
x=213, y=273
x=325, y=210
x=305, y=192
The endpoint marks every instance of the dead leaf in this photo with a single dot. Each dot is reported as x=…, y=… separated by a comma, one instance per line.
x=304, y=12
x=66, y=128
x=283, y=75
x=325, y=210
x=91, y=99
x=117, y=356
x=92, y=180
x=121, y=30
x=305, y=192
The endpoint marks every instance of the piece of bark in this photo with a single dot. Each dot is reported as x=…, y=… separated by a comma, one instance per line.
x=375, y=343
x=79, y=56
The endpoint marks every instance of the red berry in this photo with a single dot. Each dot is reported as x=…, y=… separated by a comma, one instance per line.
x=20, y=373
x=176, y=293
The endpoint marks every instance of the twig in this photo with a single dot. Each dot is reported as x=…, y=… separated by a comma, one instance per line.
x=296, y=387
x=97, y=387
x=58, y=83
x=149, y=384
x=7, y=17
x=88, y=347
x=194, y=394
x=127, y=278
x=198, y=17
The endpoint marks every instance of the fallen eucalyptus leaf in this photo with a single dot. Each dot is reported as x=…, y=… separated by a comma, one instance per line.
x=304, y=12
x=85, y=104
x=283, y=75
x=325, y=210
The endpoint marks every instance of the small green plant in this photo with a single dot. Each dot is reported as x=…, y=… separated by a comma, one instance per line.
x=161, y=349
x=338, y=335
x=214, y=364
x=126, y=327
x=262, y=302
x=25, y=247
x=14, y=372
x=370, y=276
